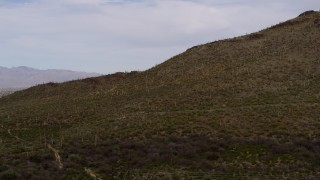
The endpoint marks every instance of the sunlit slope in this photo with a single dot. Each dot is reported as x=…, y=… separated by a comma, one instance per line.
x=256, y=92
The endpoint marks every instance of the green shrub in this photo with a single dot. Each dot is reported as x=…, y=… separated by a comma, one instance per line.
x=75, y=158
x=35, y=158
x=9, y=175
x=3, y=167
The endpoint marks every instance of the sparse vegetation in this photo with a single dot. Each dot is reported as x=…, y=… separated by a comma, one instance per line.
x=246, y=107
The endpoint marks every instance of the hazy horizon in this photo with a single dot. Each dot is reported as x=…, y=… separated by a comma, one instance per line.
x=46, y=69
x=24, y=77
x=107, y=36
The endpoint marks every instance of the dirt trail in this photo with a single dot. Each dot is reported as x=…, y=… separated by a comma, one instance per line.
x=230, y=108
x=55, y=151
x=16, y=137
x=92, y=174
x=56, y=155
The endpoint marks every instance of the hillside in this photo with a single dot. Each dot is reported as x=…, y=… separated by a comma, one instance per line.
x=246, y=107
x=23, y=77
x=4, y=92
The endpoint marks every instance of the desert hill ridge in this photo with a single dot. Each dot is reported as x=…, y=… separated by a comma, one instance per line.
x=241, y=107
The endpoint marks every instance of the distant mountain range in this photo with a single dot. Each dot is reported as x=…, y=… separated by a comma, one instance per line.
x=22, y=77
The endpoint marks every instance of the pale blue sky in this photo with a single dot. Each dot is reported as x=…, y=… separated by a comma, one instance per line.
x=121, y=35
